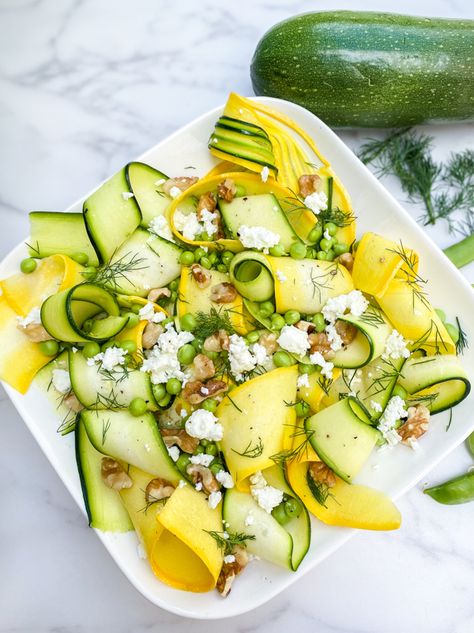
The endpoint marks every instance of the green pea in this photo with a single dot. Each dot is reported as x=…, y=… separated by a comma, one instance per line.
x=164, y=402
x=204, y=443
x=172, y=298
x=87, y=325
x=306, y=368
x=205, y=262
x=129, y=346
x=457, y=490
x=453, y=332
x=49, y=348
x=239, y=190
x=166, y=321
x=186, y=354
x=91, y=349
x=222, y=268
x=205, y=237
x=212, y=450
x=398, y=390
x=280, y=515
x=200, y=449
x=315, y=234
x=80, y=258
x=266, y=309
x=227, y=257
x=133, y=319
x=198, y=253
x=277, y=251
x=282, y=359
x=213, y=257
x=216, y=467
x=159, y=392
x=183, y=462
x=89, y=272
x=173, y=386
x=277, y=322
x=298, y=250
x=137, y=407
x=321, y=255
x=212, y=355
x=292, y=317
x=197, y=344
x=174, y=285
x=302, y=409
x=293, y=508
x=340, y=248
x=441, y=314
x=325, y=244
x=186, y=258
x=28, y=265
x=311, y=253
x=188, y=322
x=318, y=322
x=108, y=344
x=253, y=336
x=330, y=255
x=331, y=228
x=210, y=404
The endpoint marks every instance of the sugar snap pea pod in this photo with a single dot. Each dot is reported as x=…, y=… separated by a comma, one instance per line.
x=455, y=491
x=470, y=443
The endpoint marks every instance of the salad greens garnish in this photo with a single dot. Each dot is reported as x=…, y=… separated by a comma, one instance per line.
x=226, y=541
x=210, y=322
x=116, y=271
x=290, y=454
x=252, y=450
x=387, y=371
x=321, y=281
x=412, y=278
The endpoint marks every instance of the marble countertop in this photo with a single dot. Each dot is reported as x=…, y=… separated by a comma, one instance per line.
x=85, y=86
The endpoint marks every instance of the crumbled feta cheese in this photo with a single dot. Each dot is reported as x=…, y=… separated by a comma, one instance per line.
x=280, y=276
x=225, y=479
x=266, y=496
x=173, y=452
x=376, y=406
x=187, y=224
x=316, y=202
x=160, y=226
x=147, y=313
x=249, y=519
x=214, y=499
x=126, y=195
x=353, y=302
x=395, y=347
x=335, y=340
x=244, y=358
x=293, y=340
x=225, y=535
x=198, y=486
x=175, y=192
x=257, y=237
x=326, y=367
x=201, y=459
x=208, y=221
x=394, y=410
x=160, y=182
x=302, y=381
x=204, y=391
x=109, y=360
x=182, y=483
x=326, y=235
x=32, y=318
x=162, y=360
x=204, y=425
x=230, y=558
x=61, y=380
x=413, y=444
x=184, y=413
x=74, y=349
x=264, y=174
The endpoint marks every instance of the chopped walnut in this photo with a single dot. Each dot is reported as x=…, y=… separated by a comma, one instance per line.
x=206, y=201
x=157, y=293
x=322, y=474
x=179, y=437
x=113, y=474
x=72, y=403
x=346, y=260
x=346, y=331
x=268, y=340
x=319, y=342
x=182, y=183
x=217, y=342
x=226, y=189
x=203, y=367
x=416, y=424
x=305, y=326
x=35, y=332
x=223, y=293
x=308, y=184
x=196, y=391
x=150, y=335
x=158, y=489
x=201, y=475
x=229, y=571
x=201, y=276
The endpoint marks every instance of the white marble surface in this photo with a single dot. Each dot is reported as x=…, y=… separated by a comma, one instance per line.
x=84, y=87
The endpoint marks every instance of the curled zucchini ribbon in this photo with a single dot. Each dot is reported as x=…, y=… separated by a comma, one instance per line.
x=64, y=314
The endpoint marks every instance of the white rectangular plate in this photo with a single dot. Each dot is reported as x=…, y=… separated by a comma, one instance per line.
x=399, y=469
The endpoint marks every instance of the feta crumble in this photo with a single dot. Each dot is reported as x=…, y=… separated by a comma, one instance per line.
x=302, y=381
x=395, y=347
x=249, y=519
x=159, y=182
x=353, y=302
x=316, y=202
x=214, y=499
x=264, y=174
x=147, y=313
x=293, y=340
x=376, y=406
x=201, y=459
x=280, y=276
x=175, y=192
x=159, y=226
x=109, y=360
x=266, y=496
x=335, y=341
x=182, y=483
x=257, y=237
x=126, y=195
x=326, y=367
x=244, y=358
x=191, y=226
x=173, y=452
x=326, y=235
x=225, y=479
x=204, y=425
x=394, y=410
x=32, y=318
x=198, y=486
x=162, y=360
x=61, y=380
x=230, y=558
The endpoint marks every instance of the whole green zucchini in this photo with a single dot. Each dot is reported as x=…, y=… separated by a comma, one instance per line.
x=362, y=69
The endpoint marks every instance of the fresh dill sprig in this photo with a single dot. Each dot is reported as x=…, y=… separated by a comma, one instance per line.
x=252, y=450
x=412, y=278
x=462, y=342
x=210, y=322
x=105, y=428
x=290, y=454
x=226, y=541
x=322, y=281
x=319, y=490
x=117, y=271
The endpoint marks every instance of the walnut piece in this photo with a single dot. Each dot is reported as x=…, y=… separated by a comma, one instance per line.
x=158, y=489
x=206, y=201
x=305, y=326
x=319, y=342
x=151, y=334
x=226, y=189
x=346, y=331
x=322, y=474
x=73, y=403
x=158, y=293
x=113, y=474
x=223, y=293
x=217, y=342
x=201, y=475
x=179, y=437
x=203, y=367
x=346, y=260
x=196, y=391
x=268, y=340
x=181, y=182
x=35, y=332
x=201, y=276
x=229, y=571
x=416, y=425
x=308, y=184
